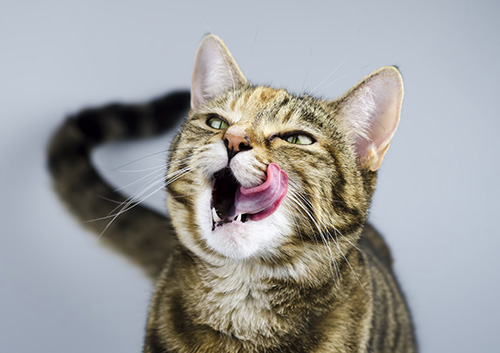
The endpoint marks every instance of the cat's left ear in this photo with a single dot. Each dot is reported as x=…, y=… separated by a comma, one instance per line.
x=371, y=111
x=215, y=71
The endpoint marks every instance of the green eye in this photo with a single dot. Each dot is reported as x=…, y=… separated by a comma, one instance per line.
x=217, y=122
x=300, y=139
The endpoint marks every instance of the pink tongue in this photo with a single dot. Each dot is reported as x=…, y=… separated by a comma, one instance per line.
x=261, y=201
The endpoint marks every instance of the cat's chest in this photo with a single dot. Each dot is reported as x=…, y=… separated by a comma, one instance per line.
x=238, y=305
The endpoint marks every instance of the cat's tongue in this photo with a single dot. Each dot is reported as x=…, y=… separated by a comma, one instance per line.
x=261, y=201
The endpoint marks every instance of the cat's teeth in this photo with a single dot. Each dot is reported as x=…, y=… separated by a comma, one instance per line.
x=238, y=217
x=216, y=217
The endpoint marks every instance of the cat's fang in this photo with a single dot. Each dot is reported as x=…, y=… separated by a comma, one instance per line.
x=215, y=216
x=238, y=218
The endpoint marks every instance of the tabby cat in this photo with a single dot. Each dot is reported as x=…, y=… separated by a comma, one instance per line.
x=267, y=248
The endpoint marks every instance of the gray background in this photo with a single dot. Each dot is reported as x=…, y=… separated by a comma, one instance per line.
x=438, y=194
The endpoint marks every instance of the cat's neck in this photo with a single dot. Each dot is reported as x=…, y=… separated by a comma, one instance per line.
x=250, y=302
x=237, y=300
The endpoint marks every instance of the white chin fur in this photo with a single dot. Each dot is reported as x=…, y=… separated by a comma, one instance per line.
x=239, y=240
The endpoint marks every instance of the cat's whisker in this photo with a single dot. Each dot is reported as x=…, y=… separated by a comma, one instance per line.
x=138, y=198
x=110, y=200
x=176, y=175
x=295, y=220
x=161, y=169
x=140, y=159
x=336, y=242
x=311, y=93
x=135, y=197
x=158, y=171
x=133, y=202
x=126, y=203
x=300, y=209
x=352, y=269
x=128, y=207
x=325, y=238
x=157, y=153
x=339, y=66
x=347, y=239
x=323, y=226
x=162, y=166
x=293, y=196
x=332, y=220
x=337, y=80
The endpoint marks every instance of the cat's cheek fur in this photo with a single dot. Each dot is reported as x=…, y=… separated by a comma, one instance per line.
x=211, y=160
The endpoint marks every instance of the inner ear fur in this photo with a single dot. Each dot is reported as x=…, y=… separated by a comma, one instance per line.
x=371, y=111
x=215, y=71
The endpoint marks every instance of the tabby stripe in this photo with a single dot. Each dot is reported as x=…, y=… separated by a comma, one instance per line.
x=306, y=195
x=387, y=313
x=283, y=104
x=394, y=303
x=338, y=188
x=153, y=343
x=180, y=197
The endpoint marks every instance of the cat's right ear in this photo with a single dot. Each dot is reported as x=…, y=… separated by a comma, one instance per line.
x=215, y=71
x=371, y=111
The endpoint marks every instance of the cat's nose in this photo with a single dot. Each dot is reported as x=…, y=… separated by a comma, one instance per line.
x=236, y=140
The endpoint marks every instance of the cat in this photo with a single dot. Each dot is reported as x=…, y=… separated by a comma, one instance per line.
x=267, y=248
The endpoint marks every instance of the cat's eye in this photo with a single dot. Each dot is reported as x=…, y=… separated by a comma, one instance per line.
x=299, y=139
x=216, y=122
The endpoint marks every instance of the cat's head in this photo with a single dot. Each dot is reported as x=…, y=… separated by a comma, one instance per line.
x=258, y=173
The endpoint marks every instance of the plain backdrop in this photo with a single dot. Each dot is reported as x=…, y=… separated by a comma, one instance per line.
x=438, y=193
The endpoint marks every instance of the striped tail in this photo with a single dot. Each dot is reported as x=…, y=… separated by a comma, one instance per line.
x=140, y=233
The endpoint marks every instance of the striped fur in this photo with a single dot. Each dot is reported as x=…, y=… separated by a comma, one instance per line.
x=312, y=277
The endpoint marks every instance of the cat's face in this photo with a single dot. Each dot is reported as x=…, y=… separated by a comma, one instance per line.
x=275, y=128
x=257, y=173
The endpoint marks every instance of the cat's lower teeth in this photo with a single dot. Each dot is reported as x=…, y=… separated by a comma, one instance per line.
x=218, y=220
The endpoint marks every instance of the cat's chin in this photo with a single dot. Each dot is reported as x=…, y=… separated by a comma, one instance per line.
x=233, y=240
x=242, y=240
x=243, y=237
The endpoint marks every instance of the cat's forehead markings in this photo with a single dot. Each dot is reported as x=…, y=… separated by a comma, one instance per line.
x=245, y=107
x=266, y=97
x=266, y=94
x=261, y=107
x=260, y=101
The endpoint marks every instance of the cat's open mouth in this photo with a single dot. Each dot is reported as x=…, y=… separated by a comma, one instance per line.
x=223, y=199
x=233, y=203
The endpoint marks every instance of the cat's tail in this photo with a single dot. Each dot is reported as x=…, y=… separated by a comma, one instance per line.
x=140, y=233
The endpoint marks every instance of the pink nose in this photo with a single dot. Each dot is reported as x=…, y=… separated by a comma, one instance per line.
x=236, y=140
